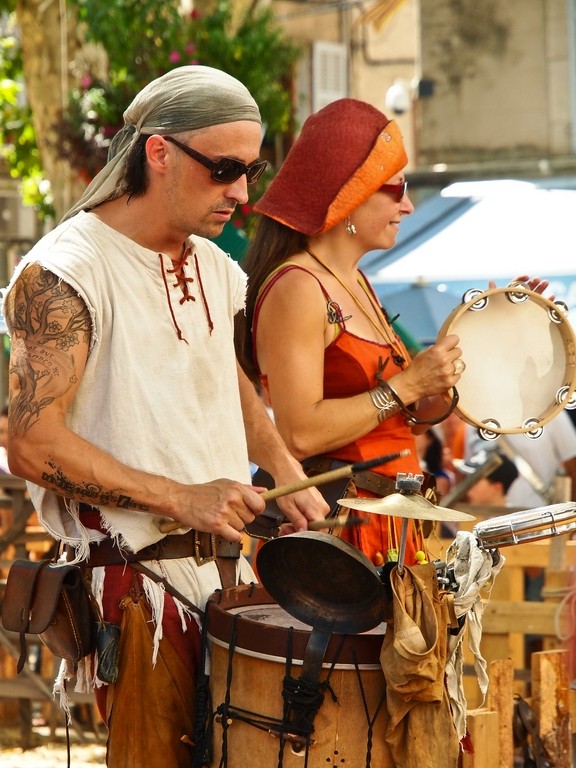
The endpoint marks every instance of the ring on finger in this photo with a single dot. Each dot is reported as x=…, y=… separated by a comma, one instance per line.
x=459, y=366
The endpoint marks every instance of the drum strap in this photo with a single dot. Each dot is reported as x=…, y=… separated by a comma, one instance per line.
x=167, y=586
x=227, y=570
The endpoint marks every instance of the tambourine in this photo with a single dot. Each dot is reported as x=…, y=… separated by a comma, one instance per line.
x=531, y=525
x=519, y=349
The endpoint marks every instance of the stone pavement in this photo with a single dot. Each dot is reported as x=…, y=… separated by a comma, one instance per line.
x=45, y=754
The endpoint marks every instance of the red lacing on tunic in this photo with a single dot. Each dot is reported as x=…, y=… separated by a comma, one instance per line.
x=183, y=282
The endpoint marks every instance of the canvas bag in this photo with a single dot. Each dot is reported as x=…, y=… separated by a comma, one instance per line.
x=49, y=600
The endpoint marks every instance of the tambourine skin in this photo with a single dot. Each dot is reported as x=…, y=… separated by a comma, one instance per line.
x=529, y=525
x=520, y=354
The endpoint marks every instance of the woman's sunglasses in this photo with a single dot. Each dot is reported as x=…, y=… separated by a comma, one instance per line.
x=396, y=191
x=226, y=170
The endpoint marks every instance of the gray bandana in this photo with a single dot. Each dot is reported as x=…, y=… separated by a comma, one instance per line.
x=183, y=99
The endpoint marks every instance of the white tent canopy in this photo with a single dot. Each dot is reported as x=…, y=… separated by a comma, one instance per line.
x=507, y=228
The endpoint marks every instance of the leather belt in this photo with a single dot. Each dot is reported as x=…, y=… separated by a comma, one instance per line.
x=378, y=484
x=204, y=547
x=367, y=481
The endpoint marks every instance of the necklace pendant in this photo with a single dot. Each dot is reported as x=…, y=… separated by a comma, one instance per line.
x=334, y=312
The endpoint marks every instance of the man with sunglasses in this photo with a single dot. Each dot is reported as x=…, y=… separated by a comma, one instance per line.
x=127, y=406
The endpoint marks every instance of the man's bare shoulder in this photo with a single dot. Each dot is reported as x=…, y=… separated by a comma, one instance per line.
x=37, y=295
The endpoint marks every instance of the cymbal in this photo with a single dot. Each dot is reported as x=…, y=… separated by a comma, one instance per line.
x=410, y=505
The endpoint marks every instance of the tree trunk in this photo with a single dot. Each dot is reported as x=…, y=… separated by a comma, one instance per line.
x=49, y=43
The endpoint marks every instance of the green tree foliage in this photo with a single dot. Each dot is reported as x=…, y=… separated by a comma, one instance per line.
x=144, y=39
x=17, y=140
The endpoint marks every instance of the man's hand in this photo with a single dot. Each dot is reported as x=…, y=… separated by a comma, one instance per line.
x=223, y=507
x=302, y=506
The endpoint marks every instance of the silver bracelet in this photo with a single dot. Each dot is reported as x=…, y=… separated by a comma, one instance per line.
x=384, y=402
x=395, y=396
x=408, y=410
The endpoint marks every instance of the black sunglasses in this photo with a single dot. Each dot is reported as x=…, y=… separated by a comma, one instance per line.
x=397, y=191
x=226, y=170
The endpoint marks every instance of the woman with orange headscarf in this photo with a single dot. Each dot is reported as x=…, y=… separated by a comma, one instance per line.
x=339, y=378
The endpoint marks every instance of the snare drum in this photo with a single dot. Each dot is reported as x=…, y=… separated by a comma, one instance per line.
x=253, y=644
x=520, y=354
x=531, y=525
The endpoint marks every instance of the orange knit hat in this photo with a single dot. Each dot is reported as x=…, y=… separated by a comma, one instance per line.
x=344, y=153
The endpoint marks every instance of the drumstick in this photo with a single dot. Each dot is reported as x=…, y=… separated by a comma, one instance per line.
x=325, y=477
x=333, y=474
x=342, y=521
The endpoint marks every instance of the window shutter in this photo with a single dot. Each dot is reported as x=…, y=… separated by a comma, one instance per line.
x=329, y=73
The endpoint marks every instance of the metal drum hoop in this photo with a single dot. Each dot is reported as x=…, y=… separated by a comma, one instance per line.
x=529, y=525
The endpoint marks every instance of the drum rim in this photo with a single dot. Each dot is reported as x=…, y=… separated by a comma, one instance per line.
x=357, y=650
x=568, y=337
x=296, y=662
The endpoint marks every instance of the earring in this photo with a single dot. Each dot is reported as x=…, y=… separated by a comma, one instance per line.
x=350, y=228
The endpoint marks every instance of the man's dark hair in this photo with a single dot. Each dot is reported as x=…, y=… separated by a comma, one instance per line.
x=135, y=175
x=506, y=473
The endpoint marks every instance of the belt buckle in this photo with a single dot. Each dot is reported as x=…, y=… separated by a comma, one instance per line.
x=198, y=556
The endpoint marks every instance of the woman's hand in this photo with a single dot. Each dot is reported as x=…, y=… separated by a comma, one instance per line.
x=433, y=371
x=535, y=284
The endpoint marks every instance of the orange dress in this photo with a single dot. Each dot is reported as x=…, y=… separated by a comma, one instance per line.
x=350, y=367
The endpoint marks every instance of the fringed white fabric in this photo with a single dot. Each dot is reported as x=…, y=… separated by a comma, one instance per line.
x=155, y=594
x=83, y=676
x=184, y=612
x=474, y=573
x=63, y=524
x=65, y=674
x=97, y=585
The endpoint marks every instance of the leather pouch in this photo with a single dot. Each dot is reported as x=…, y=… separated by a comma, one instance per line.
x=51, y=601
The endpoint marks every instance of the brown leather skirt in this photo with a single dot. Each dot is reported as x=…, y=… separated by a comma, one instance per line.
x=149, y=711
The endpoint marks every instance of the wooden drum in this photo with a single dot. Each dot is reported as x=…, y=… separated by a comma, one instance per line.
x=520, y=354
x=253, y=644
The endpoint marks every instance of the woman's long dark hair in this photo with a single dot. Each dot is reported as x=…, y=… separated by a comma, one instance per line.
x=272, y=244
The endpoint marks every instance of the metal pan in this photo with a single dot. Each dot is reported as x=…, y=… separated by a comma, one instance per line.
x=322, y=581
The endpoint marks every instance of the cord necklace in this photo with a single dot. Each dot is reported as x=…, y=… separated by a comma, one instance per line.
x=383, y=329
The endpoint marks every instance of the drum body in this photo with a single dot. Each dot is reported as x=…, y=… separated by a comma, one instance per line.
x=520, y=354
x=251, y=642
x=529, y=525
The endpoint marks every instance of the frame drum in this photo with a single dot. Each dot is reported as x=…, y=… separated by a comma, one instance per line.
x=253, y=644
x=520, y=354
x=531, y=525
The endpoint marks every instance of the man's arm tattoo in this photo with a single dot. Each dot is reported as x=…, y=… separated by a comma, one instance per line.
x=48, y=320
x=91, y=493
